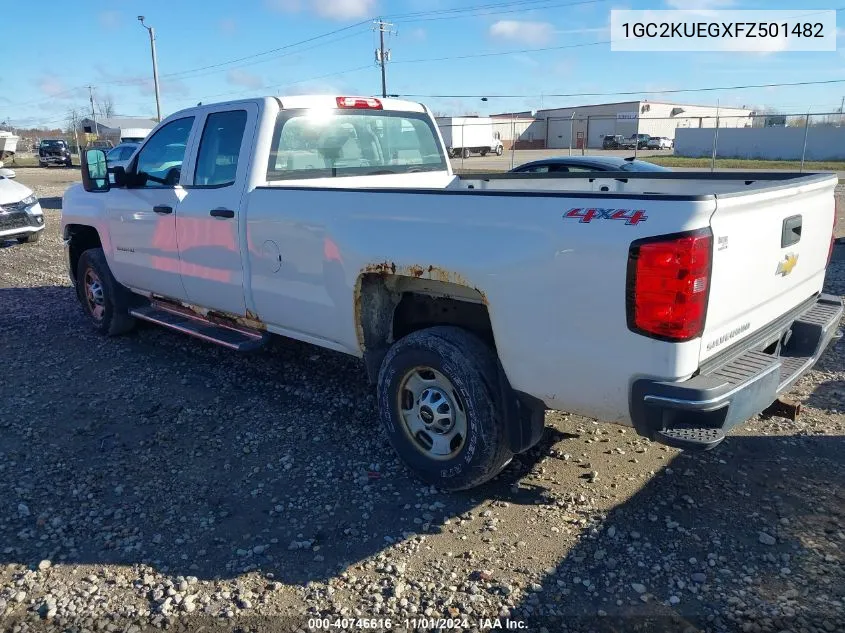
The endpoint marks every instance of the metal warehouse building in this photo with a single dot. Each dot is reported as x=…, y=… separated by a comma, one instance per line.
x=589, y=124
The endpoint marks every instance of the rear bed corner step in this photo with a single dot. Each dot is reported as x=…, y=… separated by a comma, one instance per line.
x=690, y=438
x=234, y=337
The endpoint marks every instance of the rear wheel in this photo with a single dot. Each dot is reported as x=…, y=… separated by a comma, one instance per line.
x=465, y=153
x=104, y=300
x=441, y=408
x=484, y=152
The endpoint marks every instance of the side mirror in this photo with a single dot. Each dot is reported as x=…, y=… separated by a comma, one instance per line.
x=119, y=177
x=95, y=175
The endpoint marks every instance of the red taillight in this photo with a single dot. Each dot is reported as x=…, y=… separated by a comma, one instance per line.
x=668, y=285
x=361, y=103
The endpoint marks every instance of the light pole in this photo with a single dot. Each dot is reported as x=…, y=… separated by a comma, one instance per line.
x=152, y=33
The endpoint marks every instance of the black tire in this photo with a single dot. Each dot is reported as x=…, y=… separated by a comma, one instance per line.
x=465, y=153
x=114, y=318
x=32, y=238
x=40, y=164
x=499, y=150
x=484, y=152
x=473, y=370
x=69, y=163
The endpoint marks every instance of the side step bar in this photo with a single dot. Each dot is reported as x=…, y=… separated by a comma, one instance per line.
x=232, y=336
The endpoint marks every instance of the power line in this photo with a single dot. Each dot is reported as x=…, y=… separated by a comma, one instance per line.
x=498, y=54
x=630, y=92
x=272, y=50
x=469, y=12
x=498, y=7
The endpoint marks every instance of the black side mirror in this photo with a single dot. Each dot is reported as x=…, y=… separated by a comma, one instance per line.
x=95, y=175
x=121, y=179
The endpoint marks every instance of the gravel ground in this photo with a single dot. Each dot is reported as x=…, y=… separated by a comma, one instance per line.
x=157, y=481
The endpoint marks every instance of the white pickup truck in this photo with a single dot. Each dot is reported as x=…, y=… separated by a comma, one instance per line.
x=679, y=303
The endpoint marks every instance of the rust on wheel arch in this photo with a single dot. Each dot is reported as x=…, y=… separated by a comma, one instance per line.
x=416, y=271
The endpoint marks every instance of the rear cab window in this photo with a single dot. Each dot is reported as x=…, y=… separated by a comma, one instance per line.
x=338, y=143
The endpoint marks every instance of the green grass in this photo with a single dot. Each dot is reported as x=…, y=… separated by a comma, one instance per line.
x=740, y=163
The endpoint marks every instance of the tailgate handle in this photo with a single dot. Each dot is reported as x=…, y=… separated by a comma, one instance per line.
x=791, y=233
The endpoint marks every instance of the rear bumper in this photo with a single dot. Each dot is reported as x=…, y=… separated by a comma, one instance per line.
x=696, y=413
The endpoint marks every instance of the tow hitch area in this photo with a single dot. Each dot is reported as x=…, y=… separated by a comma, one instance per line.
x=783, y=408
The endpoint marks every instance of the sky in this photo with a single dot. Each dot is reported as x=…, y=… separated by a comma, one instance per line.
x=448, y=53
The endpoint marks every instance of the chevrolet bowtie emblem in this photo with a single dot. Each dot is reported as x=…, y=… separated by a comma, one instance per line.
x=785, y=267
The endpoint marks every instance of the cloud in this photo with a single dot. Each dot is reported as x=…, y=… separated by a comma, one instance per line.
x=143, y=83
x=52, y=86
x=228, y=26
x=418, y=35
x=524, y=32
x=238, y=77
x=109, y=20
x=332, y=9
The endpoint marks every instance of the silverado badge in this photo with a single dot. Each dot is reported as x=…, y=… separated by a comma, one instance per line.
x=785, y=267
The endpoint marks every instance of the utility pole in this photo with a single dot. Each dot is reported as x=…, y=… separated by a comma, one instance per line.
x=841, y=110
x=152, y=33
x=382, y=55
x=93, y=111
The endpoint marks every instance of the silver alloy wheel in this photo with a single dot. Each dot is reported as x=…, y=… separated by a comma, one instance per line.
x=94, y=297
x=432, y=413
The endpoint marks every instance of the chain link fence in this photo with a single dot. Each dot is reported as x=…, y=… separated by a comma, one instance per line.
x=818, y=137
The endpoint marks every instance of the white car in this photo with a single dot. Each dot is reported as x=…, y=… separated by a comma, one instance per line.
x=21, y=217
x=660, y=142
x=679, y=303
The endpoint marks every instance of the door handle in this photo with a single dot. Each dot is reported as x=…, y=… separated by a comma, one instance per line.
x=222, y=213
x=162, y=209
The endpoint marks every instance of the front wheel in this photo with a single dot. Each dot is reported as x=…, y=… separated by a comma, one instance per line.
x=465, y=153
x=499, y=150
x=105, y=302
x=441, y=408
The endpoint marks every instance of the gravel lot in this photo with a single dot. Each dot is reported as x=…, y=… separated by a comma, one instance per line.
x=156, y=481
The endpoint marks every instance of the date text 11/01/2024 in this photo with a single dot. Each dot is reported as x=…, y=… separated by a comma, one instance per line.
x=415, y=624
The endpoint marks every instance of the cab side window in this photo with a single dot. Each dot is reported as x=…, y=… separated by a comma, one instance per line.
x=159, y=163
x=220, y=146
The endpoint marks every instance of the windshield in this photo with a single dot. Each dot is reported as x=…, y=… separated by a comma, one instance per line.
x=337, y=143
x=52, y=143
x=641, y=165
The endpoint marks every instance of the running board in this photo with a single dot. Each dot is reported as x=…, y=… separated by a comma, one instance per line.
x=234, y=337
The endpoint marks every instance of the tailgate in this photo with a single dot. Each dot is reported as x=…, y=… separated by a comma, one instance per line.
x=770, y=252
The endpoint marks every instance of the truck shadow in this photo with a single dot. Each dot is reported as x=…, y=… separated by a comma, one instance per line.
x=160, y=450
x=691, y=537
x=157, y=450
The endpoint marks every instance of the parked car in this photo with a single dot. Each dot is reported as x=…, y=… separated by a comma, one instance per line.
x=613, y=141
x=660, y=142
x=639, y=141
x=585, y=163
x=476, y=302
x=120, y=155
x=54, y=152
x=21, y=217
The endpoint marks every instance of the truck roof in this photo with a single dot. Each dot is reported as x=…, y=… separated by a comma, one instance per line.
x=295, y=102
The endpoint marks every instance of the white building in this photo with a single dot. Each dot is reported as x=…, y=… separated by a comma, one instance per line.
x=589, y=124
x=117, y=129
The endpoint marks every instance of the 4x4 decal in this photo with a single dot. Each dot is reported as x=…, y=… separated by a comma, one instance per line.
x=585, y=216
